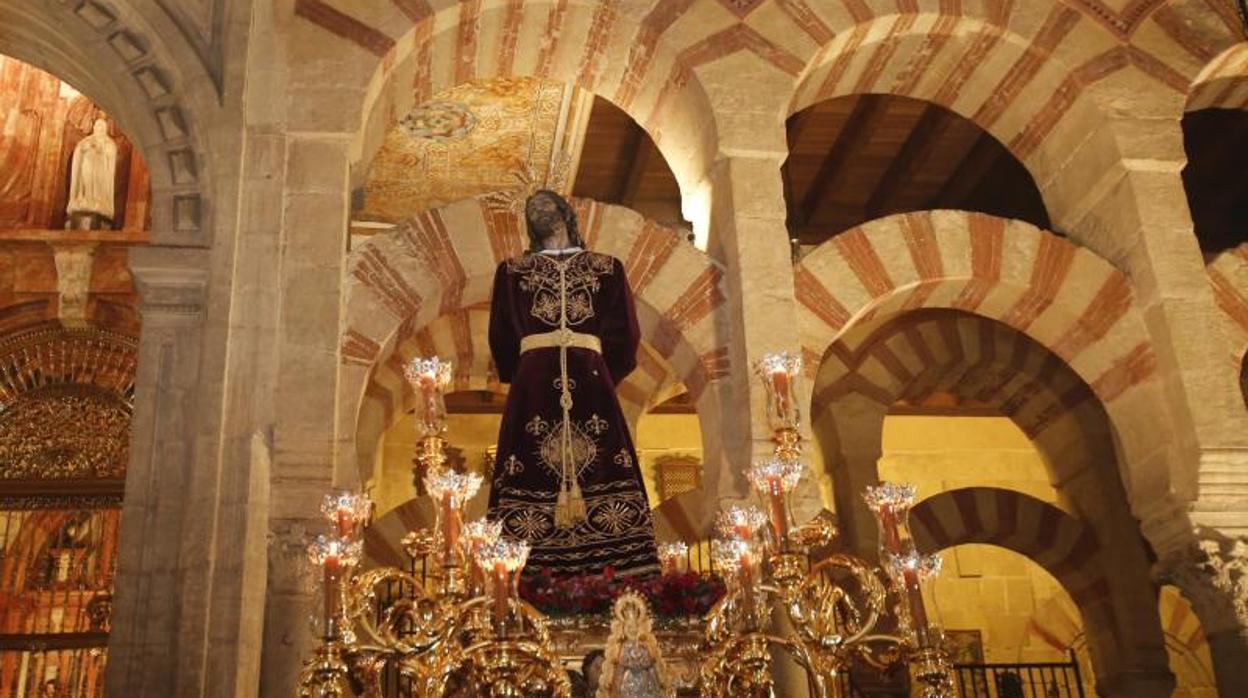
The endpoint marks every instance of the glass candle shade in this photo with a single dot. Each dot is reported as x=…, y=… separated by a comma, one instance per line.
x=738, y=561
x=477, y=535
x=740, y=522
x=503, y=560
x=430, y=377
x=673, y=558
x=334, y=556
x=906, y=568
x=779, y=372
x=773, y=480
x=348, y=512
x=449, y=491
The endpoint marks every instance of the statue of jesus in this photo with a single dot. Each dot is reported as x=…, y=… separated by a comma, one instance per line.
x=564, y=333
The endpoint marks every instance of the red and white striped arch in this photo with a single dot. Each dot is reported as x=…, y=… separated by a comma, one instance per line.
x=1050, y=537
x=1053, y=539
x=1072, y=302
x=1119, y=609
x=391, y=55
x=1223, y=84
x=976, y=359
x=425, y=286
x=1059, y=83
x=1023, y=77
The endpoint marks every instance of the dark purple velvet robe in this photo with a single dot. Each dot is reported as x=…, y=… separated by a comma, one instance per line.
x=619, y=529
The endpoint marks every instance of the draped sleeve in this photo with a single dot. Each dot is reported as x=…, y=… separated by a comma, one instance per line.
x=504, y=333
x=620, y=331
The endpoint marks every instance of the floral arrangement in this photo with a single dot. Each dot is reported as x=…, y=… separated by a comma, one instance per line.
x=670, y=596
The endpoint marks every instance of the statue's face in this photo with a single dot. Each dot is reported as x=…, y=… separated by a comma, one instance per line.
x=100, y=127
x=543, y=214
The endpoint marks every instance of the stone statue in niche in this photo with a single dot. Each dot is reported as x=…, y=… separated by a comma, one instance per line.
x=92, y=171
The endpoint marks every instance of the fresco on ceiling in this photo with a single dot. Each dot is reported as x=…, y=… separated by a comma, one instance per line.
x=468, y=140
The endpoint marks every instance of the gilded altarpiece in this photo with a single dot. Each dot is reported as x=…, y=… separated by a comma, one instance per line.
x=65, y=406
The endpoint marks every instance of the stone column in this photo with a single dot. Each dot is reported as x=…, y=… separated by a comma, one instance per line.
x=748, y=234
x=179, y=624
x=854, y=463
x=314, y=215
x=1213, y=576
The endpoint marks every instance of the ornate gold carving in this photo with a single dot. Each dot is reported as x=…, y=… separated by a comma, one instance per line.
x=65, y=403
x=65, y=432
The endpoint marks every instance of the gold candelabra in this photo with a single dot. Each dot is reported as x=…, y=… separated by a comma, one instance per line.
x=464, y=625
x=823, y=615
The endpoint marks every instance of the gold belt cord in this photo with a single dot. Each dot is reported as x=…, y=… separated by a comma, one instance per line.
x=570, y=504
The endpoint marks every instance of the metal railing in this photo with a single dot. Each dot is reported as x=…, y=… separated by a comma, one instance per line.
x=1001, y=680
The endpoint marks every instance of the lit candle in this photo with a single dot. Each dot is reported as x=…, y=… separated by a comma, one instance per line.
x=773, y=479
x=672, y=557
x=779, y=370
x=332, y=565
x=429, y=377
x=450, y=520
x=776, y=506
x=780, y=383
x=344, y=522
x=501, y=591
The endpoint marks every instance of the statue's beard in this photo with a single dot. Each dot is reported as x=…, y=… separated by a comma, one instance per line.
x=546, y=227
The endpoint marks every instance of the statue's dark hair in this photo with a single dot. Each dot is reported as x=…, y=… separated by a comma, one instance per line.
x=565, y=210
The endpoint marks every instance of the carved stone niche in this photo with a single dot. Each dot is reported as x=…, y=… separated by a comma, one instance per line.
x=1213, y=575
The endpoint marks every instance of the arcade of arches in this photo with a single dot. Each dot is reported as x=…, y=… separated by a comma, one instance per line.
x=1009, y=239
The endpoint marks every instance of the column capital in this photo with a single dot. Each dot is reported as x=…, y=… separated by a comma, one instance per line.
x=172, y=283
x=1213, y=575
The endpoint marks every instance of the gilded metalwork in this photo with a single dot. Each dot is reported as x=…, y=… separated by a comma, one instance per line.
x=832, y=609
x=464, y=625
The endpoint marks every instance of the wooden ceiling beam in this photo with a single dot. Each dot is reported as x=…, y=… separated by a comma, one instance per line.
x=853, y=134
x=978, y=161
x=931, y=125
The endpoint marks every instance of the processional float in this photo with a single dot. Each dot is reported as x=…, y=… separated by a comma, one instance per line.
x=463, y=623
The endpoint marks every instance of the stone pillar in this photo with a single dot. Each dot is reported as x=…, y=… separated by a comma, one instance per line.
x=748, y=234
x=853, y=460
x=1213, y=576
x=146, y=606
x=314, y=214
x=182, y=623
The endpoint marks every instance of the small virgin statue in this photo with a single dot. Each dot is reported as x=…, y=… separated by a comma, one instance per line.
x=634, y=666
